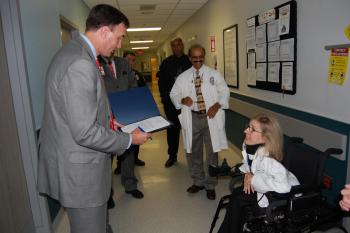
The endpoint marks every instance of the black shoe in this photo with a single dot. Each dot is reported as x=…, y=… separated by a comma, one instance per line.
x=117, y=171
x=195, y=188
x=139, y=162
x=170, y=162
x=135, y=193
x=211, y=195
x=110, y=203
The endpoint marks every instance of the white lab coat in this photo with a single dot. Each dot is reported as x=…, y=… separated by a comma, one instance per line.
x=269, y=175
x=214, y=89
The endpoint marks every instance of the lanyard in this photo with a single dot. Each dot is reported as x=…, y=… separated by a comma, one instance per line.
x=99, y=67
x=112, y=118
x=111, y=122
x=112, y=69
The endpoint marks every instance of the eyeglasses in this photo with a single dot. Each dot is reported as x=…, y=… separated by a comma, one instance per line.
x=251, y=128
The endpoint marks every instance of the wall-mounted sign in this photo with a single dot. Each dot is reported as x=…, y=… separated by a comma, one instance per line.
x=338, y=64
x=212, y=44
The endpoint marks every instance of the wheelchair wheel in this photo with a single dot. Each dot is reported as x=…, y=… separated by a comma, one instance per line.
x=262, y=227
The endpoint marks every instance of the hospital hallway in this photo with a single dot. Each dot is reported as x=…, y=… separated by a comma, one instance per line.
x=166, y=206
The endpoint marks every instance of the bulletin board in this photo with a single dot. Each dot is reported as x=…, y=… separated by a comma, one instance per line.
x=271, y=49
x=230, y=43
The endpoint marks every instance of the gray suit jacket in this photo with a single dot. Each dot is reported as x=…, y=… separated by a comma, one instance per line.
x=124, y=79
x=75, y=139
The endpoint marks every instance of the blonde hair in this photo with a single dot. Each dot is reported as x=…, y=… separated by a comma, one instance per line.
x=272, y=133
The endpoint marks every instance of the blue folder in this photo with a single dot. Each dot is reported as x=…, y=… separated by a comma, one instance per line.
x=133, y=105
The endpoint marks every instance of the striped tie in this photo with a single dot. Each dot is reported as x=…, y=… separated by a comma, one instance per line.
x=200, y=100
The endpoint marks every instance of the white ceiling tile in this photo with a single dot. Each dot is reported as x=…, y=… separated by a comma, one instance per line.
x=188, y=12
x=168, y=14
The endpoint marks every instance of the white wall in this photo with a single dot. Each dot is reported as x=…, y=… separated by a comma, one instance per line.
x=320, y=23
x=41, y=32
x=76, y=11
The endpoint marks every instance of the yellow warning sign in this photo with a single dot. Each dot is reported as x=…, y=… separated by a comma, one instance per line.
x=338, y=64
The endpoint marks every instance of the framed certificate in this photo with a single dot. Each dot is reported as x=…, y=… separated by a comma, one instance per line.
x=230, y=43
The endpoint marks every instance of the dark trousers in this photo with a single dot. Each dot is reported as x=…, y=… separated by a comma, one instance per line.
x=128, y=177
x=136, y=149
x=173, y=132
x=236, y=211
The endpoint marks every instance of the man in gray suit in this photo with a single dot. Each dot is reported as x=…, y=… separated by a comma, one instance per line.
x=118, y=76
x=78, y=130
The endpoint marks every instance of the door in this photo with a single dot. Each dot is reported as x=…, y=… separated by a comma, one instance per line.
x=15, y=212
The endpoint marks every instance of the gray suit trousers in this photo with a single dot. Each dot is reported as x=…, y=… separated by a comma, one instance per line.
x=200, y=136
x=88, y=220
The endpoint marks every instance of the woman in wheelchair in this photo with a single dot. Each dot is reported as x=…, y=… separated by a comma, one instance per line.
x=263, y=172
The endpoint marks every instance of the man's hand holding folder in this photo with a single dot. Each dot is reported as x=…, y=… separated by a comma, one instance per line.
x=139, y=137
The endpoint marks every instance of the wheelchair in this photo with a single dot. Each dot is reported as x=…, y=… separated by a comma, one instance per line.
x=304, y=209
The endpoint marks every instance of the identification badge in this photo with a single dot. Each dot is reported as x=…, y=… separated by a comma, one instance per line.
x=212, y=82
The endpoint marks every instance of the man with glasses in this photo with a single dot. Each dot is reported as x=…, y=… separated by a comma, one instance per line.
x=201, y=93
x=169, y=70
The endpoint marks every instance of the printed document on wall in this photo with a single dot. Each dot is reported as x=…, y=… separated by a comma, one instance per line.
x=251, y=38
x=287, y=76
x=273, y=72
x=272, y=31
x=261, y=52
x=273, y=51
x=284, y=19
x=261, y=34
x=287, y=50
x=261, y=72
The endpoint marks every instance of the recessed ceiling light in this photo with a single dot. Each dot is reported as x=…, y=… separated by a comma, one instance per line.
x=140, y=48
x=140, y=41
x=143, y=29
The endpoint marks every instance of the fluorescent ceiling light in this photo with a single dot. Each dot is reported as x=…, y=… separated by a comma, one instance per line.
x=140, y=41
x=140, y=48
x=143, y=29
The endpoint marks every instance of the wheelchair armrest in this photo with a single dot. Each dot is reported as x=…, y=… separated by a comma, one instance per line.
x=274, y=196
x=304, y=188
x=295, y=190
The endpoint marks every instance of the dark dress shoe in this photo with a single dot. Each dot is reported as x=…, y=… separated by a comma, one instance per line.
x=195, y=188
x=135, y=193
x=110, y=203
x=117, y=171
x=211, y=195
x=170, y=162
x=139, y=162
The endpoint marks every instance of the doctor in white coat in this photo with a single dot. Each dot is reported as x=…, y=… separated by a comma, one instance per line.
x=202, y=95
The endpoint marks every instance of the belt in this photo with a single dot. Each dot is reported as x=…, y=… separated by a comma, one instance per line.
x=202, y=112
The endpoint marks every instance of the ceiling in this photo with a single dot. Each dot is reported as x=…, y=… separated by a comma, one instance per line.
x=167, y=14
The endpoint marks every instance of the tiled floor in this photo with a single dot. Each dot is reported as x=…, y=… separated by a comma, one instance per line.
x=166, y=207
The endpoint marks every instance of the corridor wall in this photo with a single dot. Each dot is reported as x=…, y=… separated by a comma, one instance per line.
x=316, y=102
